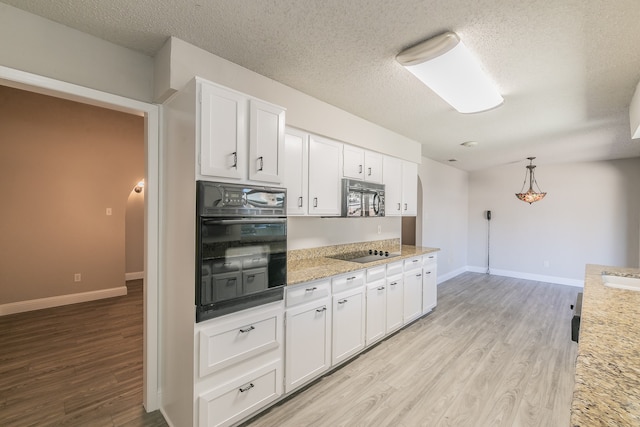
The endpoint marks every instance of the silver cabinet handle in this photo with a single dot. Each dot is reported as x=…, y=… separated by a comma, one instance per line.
x=393, y=284
x=359, y=168
x=315, y=202
x=320, y=310
x=431, y=257
x=381, y=288
x=427, y=272
x=247, y=388
x=235, y=159
x=310, y=289
x=249, y=329
x=351, y=278
x=300, y=201
x=369, y=171
x=418, y=275
x=405, y=206
x=261, y=163
x=415, y=260
x=399, y=206
x=344, y=301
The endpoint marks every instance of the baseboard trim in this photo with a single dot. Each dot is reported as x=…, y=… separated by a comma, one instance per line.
x=451, y=274
x=40, y=303
x=529, y=276
x=134, y=276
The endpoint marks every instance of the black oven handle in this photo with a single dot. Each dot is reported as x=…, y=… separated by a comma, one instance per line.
x=246, y=221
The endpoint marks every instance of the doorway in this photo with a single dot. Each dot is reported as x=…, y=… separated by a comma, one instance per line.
x=42, y=85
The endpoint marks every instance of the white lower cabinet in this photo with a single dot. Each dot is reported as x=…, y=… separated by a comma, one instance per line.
x=348, y=324
x=395, y=302
x=239, y=364
x=429, y=282
x=231, y=402
x=308, y=342
x=412, y=289
x=376, y=311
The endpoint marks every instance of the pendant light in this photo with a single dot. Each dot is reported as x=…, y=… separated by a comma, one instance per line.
x=530, y=196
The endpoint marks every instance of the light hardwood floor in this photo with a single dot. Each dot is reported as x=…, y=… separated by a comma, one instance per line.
x=77, y=365
x=496, y=352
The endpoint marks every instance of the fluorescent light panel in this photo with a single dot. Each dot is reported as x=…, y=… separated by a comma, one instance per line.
x=447, y=67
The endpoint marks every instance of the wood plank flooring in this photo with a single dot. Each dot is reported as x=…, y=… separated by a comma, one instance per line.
x=77, y=365
x=496, y=352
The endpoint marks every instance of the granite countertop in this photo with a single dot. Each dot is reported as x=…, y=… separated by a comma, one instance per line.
x=300, y=270
x=607, y=387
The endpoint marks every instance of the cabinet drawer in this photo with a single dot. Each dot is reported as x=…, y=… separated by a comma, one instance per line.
x=347, y=281
x=394, y=268
x=375, y=273
x=228, y=342
x=307, y=292
x=412, y=263
x=429, y=259
x=240, y=398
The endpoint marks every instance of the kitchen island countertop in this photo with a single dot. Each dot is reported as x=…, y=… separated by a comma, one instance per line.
x=320, y=267
x=607, y=387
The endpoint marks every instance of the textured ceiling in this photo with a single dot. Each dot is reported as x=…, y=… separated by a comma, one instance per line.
x=566, y=68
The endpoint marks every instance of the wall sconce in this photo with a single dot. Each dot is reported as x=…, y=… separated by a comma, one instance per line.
x=446, y=66
x=139, y=187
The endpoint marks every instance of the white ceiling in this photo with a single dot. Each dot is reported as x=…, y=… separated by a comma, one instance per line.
x=566, y=68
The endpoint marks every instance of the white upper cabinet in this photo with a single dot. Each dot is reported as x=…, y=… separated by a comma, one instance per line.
x=266, y=142
x=223, y=132
x=240, y=138
x=400, y=178
x=296, y=148
x=409, y=188
x=362, y=164
x=325, y=164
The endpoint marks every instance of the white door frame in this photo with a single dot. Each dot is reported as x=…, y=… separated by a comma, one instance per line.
x=47, y=86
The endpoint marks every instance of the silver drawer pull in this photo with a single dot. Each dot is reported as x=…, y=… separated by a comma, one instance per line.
x=247, y=388
x=381, y=288
x=310, y=289
x=427, y=272
x=418, y=275
x=393, y=284
x=431, y=257
x=344, y=301
x=320, y=310
x=415, y=260
x=249, y=329
x=351, y=278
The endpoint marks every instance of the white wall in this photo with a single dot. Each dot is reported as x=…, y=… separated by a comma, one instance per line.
x=443, y=199
x=591, y=215
x=40, y=46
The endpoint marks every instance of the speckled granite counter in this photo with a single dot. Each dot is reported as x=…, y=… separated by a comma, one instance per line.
x=607, y=388
x=314, y=264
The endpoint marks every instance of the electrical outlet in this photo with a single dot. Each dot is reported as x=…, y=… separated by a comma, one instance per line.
x=77, y=277
x=379, y=229
x=108, y=211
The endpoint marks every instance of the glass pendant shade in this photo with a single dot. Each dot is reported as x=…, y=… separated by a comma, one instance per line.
x=530, y=196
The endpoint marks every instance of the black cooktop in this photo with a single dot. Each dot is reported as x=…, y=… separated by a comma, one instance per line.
x=365, y=256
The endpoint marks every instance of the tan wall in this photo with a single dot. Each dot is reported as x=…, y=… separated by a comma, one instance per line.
x=62, y=164
x=134, y=233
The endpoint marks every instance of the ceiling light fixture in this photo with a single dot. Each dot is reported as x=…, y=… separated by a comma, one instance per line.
x=445, y=65
x=530, y=196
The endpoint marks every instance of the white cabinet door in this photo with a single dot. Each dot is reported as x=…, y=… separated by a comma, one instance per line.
x=223, y=134
x=308, y=338
x=376, y=311
x=348, y=324
x=395, y=303
x=392, y=179
x=429, y=283
x=296, y=147
x=409, y=188
x=324, y=176
x=353, y=158
x=266, y=142
x=373, y=167
x=412, y=295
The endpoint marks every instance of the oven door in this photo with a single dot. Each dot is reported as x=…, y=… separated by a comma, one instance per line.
x=242, y=263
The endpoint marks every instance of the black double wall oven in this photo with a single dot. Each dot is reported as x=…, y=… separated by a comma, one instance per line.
x=241, y=247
